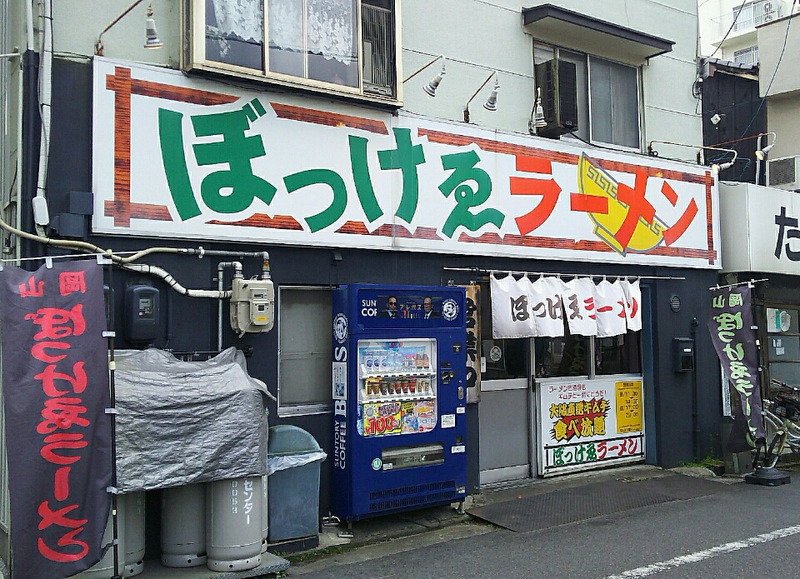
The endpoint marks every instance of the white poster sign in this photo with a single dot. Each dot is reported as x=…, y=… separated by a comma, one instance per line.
x=586, y=424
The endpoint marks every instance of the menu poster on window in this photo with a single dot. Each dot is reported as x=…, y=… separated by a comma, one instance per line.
x=629, y=406
x=586, y=424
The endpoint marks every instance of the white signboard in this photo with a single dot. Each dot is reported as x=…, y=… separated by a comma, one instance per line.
x=760, y=227
x=182, y=157
x=586, y=424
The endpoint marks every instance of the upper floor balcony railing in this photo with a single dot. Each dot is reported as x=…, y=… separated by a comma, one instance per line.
x=743, y=19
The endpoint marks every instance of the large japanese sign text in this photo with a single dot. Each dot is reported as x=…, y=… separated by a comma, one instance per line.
x=246, y=166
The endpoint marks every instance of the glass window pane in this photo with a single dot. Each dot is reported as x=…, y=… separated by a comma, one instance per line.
x=505, y=358
x=783, y=348
x=234, y=32
x=600, y=75
x=618, y=355
x=614, y=103
x=787, y=372
x=332, y=49
x=624, y=105
x=302, y=382
x=305, y=346
x=567, y=356
x=286, y=50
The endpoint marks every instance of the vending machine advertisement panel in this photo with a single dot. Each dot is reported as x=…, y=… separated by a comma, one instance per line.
x=399, y=398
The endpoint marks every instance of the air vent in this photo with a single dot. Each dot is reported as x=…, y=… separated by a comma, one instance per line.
x=784, y=173
x=411, y=496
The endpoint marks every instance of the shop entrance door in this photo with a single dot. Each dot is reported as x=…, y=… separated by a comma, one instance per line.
x=506, y=412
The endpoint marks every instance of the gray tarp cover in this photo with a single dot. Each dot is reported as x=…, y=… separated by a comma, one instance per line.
x=187, y=422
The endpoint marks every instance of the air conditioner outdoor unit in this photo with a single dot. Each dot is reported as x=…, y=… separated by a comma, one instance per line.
x=558, y=81
x=784, y=173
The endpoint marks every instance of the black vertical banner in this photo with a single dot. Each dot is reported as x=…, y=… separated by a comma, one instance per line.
x=55, y=388
x=731, y=328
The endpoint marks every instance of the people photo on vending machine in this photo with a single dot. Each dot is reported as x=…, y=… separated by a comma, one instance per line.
x=391, y=308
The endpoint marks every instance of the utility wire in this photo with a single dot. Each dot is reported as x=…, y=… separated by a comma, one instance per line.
x=775, y=72
x=736, y=14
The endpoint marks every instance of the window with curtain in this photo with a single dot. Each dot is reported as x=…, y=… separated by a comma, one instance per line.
x=304, y=355
x=346, y=46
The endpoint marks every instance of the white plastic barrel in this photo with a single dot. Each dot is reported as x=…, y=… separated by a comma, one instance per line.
x=183, y=526
x=234, y=523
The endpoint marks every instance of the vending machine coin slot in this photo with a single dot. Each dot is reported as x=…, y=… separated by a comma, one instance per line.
x=447, y=375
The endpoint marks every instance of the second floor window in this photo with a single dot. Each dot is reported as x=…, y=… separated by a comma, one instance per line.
x=746, y=55
x=608, y=97
x=346, y=46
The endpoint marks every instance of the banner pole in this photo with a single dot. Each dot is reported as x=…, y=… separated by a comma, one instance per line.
x=113, y=414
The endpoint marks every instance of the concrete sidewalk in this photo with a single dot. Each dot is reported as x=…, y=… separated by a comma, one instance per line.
x=402, y=532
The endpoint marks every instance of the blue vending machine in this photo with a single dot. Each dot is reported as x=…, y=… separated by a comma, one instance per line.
x=399, y=399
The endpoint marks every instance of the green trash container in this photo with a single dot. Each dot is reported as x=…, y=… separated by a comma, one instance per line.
x=294, y=459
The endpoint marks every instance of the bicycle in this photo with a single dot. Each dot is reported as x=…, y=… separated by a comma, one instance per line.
x=786, y=408
x=773, y=422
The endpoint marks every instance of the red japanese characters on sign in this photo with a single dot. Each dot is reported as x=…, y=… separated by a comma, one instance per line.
x=63, y=415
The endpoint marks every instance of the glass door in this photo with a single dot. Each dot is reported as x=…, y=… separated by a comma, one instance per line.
x=506, y=411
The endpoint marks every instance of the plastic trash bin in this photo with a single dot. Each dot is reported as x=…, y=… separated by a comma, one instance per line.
x=293, y=496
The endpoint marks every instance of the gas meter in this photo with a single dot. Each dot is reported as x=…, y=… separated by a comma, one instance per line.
x=252, y=305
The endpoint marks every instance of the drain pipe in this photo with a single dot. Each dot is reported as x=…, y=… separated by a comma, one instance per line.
x=41, y=216
x=237, y=273
x=173, y=283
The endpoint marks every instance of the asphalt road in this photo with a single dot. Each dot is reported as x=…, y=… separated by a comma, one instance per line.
x=742, y=530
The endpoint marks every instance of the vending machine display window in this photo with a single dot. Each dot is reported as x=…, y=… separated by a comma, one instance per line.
x=397, y=386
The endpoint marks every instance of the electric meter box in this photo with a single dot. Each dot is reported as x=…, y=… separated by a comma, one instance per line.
x=142, y=313
x=683, y=354
x=252, y=305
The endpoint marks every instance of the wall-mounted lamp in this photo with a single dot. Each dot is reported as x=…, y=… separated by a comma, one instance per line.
x=151, y=35
x=491, y=102
x=761, y=153
x=717, y=118
x=431, y=87
x=538, y=111
x=717, y=167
